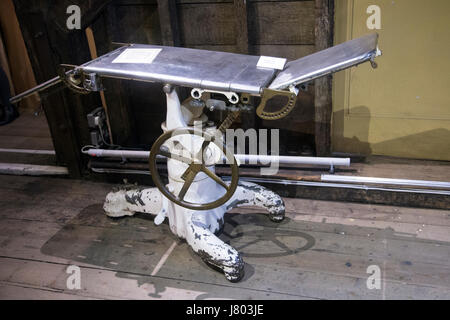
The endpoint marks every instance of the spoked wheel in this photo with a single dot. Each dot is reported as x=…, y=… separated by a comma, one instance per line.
x=196, y=164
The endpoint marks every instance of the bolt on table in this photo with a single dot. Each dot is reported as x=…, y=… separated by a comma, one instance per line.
x=195, y=199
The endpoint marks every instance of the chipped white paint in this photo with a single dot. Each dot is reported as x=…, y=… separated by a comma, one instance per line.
x=161, y=216
x=121, y=203
x=197, y=227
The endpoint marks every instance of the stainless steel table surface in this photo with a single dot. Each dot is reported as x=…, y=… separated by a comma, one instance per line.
x=193, y=68
x=322, y=63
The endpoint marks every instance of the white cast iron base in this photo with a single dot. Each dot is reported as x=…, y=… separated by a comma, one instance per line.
x=198, y=227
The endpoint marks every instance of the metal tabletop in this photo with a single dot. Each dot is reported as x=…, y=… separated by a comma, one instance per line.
x=193, y=68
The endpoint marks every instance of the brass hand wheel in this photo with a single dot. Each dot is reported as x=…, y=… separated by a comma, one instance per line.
x=196, y=165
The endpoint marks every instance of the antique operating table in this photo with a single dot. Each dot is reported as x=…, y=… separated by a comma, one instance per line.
x=195, y=199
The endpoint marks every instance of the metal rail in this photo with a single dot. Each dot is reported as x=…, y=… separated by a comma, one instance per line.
x=386, y=181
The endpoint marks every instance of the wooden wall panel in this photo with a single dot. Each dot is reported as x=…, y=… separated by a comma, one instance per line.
x=49, y=46
x=142, y=24
x=207, y=24
x=134, y=2
x=202, y=1
x=241, y=22
x=274, y=28
x=274, y=23
x=323, y=86
x=148, y=109
x=169, y=24
x=289, y=51
x=145, y=101
x=134, y=108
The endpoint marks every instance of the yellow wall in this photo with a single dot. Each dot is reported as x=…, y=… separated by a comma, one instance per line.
x=403, y=107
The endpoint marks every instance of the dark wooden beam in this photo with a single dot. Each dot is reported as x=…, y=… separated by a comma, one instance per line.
x=121, y=120
x=49, y=43
x=47, y=47
x=323, y=96
x=240, y=7
x=168, y=17
x=248, y=119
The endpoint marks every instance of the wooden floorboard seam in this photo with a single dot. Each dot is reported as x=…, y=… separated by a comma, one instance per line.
x=289, y=214
x=277, y=227
x=162, y=278
x=52, y=290
x=386, y=282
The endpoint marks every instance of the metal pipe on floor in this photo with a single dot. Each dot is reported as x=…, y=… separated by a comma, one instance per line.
x=285, y=182
x=22, y=169
x=385, y=181
x=127, y=154
x=28, y=151
x=343, y=186
x=243, y=158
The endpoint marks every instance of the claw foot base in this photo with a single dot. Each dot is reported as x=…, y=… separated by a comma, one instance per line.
x=199, y=228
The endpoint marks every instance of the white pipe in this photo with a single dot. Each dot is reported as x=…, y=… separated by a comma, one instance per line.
x=21, y=169
x=129, y=154
x=27, y=151
x=286, y=160
x=242, y=158
x=342, y=186
x=398, y=182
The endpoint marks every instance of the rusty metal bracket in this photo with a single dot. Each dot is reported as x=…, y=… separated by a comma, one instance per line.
x=283, y=112
x=74, y=79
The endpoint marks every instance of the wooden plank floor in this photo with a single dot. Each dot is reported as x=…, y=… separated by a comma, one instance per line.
x=321, y=251
x=29, y=131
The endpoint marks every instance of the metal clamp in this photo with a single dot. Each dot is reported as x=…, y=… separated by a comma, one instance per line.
x=92, y=82
x=233, y=97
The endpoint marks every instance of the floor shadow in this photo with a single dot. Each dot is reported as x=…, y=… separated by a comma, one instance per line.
x=248, y=242
x=274, y=254
x=132, y=246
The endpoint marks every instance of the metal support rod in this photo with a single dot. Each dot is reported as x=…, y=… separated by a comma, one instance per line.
x=285, y=182
x=242, y=158
x=34, y=90
x=386, y=181
x=48, y=84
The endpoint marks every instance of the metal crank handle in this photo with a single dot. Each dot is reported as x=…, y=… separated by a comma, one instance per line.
x=232, y=116
x=43, y=86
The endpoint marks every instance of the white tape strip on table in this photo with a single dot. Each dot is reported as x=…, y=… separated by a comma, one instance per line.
x=137, y=56
x=271, y=63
